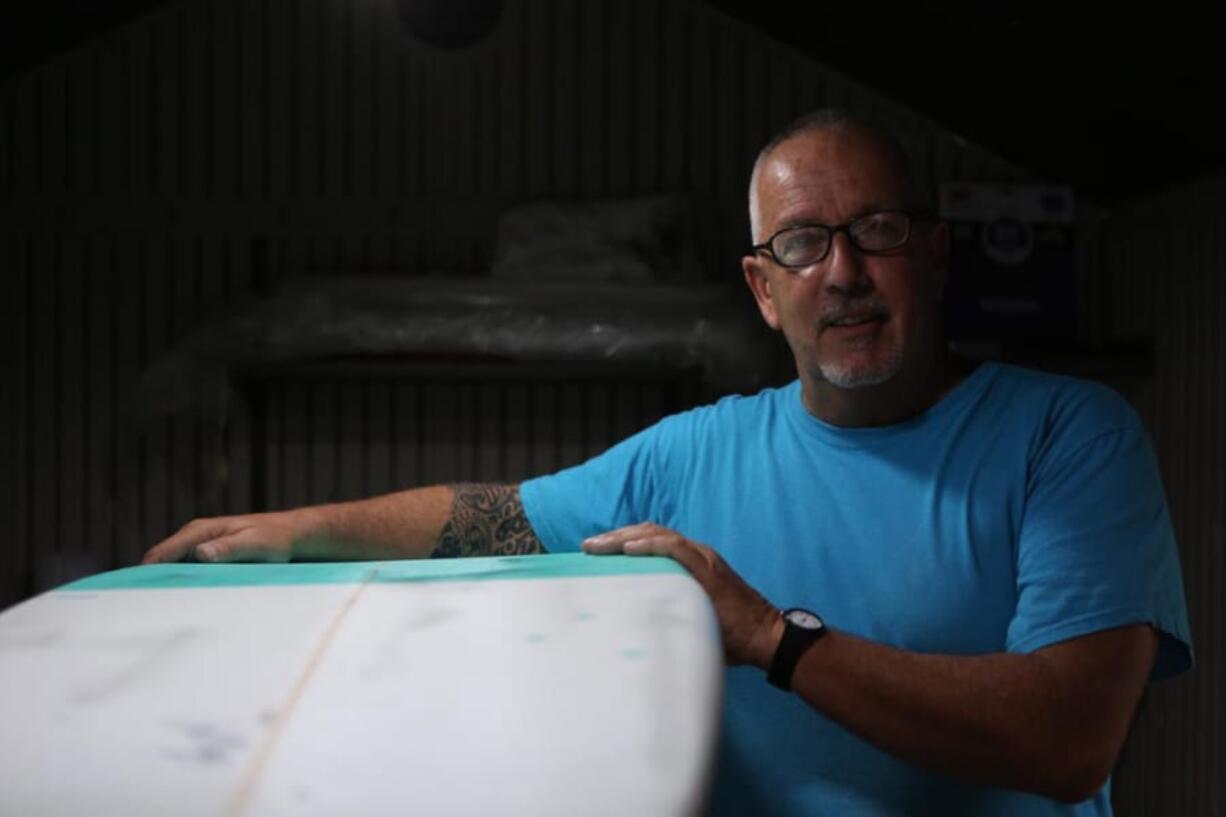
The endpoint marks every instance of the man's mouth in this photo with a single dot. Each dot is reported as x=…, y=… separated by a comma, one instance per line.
x=847, y=321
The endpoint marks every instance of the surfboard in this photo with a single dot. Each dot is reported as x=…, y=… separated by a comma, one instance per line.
x=561, y=684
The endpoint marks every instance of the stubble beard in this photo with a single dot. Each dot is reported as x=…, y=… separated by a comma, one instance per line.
x=853, y=374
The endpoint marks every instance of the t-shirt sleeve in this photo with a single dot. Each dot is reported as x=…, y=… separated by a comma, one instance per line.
x=622, y=486
x=1097, y=549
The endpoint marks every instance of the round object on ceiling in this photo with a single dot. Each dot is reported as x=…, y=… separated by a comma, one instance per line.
x=450, y=23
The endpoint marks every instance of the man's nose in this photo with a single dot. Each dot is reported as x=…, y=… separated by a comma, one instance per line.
x=845, y=273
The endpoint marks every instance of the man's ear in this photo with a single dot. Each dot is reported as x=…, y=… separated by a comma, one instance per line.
x=760, y=286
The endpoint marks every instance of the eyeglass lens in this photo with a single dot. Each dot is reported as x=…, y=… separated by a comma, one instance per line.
x=876, y=232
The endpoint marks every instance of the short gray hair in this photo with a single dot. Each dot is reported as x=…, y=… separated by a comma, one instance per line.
x=831, y=119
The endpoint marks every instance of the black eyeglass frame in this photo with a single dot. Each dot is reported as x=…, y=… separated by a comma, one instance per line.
x=834, y=229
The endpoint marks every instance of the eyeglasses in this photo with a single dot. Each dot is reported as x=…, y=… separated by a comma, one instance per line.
x=807, y=244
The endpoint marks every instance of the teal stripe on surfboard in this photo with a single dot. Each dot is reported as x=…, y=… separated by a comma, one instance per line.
x=546, y=566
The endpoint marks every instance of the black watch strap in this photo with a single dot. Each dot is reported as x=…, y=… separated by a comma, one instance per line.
x=796, y=639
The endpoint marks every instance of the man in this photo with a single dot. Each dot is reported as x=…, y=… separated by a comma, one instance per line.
x=989, y=547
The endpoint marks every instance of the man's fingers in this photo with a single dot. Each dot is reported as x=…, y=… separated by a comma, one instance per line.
x=601, y=547
x=675, y=547
x=614, y=541
x=657, y=545
x=239, y=547
x=221, y=539
x=176, y=547
x=652, y=540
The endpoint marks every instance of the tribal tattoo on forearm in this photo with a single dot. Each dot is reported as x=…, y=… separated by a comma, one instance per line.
x=486, y=520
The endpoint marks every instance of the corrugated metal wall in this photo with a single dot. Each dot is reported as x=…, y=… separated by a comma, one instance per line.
x=208, y=151
x=1160, y=270
x=321, y=119
x=83, y=315
x=342, y=437
x=219, y=146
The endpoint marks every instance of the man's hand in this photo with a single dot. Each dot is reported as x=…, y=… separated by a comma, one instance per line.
x=259, y=537
x=1051, y=722
x=749, y=626
x=438, y=520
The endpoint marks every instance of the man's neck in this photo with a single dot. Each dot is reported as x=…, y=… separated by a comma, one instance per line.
x=908, y=394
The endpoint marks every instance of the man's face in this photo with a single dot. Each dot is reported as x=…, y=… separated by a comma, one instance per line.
x=853, y=319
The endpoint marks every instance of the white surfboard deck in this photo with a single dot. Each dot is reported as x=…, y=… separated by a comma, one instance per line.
x=535, y=685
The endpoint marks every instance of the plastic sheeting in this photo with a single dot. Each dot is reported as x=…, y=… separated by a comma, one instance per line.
x=650, y=325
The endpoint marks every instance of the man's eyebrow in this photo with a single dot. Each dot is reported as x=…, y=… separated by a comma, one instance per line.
x=789, y=223
x=804, y=221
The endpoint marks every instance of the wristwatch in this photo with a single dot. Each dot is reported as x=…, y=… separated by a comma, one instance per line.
x=800, y=629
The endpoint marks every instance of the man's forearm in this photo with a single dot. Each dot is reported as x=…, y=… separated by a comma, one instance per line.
x=443, y=520
x=1012, y=721
x=466, y=519
x=1050, y=722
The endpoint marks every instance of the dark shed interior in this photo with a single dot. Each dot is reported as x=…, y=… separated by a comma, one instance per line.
x=258, y=254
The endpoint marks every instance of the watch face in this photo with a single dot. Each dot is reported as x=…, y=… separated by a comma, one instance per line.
x=804, y=619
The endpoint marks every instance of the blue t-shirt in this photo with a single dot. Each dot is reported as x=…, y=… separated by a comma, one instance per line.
x=1021, y=510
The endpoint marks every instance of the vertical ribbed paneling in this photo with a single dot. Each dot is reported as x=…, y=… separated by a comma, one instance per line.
x=17, y=357
x=138, y=171
x=99, y=387
x=156, y=174
x=45, y=259
x=328, y=439
x=328, y=100
x=89, y=488
x=1160, y=270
